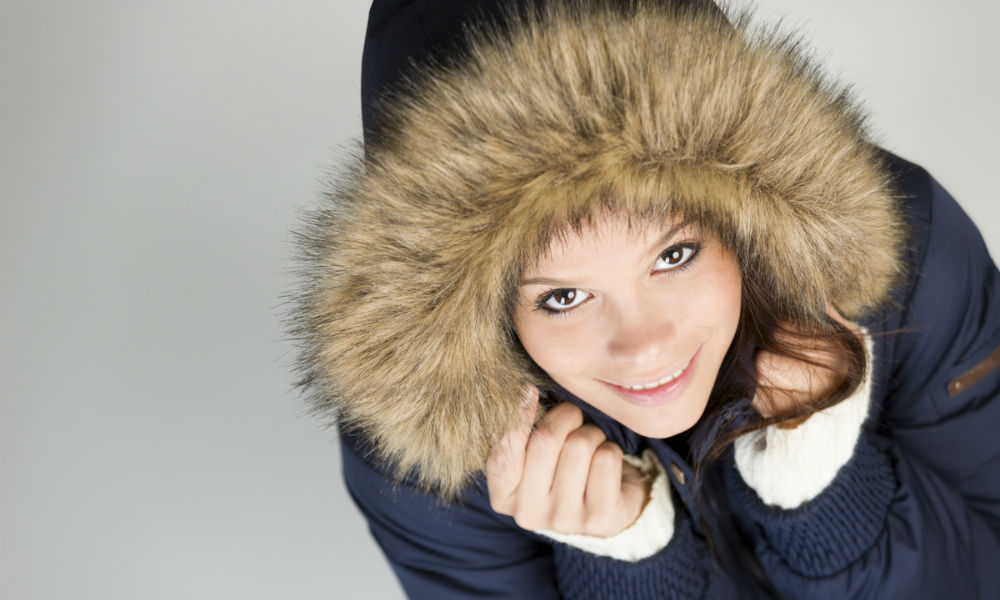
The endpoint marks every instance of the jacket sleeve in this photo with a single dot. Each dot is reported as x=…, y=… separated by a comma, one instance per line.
x=658, y=556
x=915, y=511
x=442, y=550
x=446, y=550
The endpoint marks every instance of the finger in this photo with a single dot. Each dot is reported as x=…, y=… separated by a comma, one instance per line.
x=543, y=450
x=505, y=463
x=572, y=472
x=605, y=480
x=635, y=490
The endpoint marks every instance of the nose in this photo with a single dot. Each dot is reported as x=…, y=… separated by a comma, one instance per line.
x=642, y=335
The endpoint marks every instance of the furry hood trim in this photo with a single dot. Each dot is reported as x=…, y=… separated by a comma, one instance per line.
x=409, y=266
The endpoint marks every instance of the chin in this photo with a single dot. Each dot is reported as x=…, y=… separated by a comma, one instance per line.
x=669, y=427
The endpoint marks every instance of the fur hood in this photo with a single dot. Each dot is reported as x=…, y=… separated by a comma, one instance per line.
x=410, y=264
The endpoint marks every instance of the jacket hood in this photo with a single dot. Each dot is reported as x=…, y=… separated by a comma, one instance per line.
x=410, y=264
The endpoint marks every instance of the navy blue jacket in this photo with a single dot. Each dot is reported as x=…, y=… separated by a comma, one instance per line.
x=915, y=513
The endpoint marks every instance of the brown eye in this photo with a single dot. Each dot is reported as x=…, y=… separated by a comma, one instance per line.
x=562, y=299
x=675, y=257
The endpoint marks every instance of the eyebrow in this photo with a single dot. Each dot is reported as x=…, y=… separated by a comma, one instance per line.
x=660, y=241
x=544, y=281
x=669, y=235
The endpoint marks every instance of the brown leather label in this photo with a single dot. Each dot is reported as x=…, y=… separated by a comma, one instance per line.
x=973, y=375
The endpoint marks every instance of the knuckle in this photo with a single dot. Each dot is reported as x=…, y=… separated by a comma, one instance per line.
x=543, y=439
x=593, y=433
x=566, y=415
x=608, y=453
x=580, y=444
x=590, y=433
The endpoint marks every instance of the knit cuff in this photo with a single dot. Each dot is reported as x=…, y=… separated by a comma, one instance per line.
x=789, y=467
x=832, y=530
x=677, y=572
x=649, y=534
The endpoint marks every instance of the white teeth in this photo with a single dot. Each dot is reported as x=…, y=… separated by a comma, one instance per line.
x=665, y=380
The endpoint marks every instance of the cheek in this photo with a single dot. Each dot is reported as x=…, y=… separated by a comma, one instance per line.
x=728, y=306
x=558, y=350
x=721, y=292
x=731, y=292
x=708, y=309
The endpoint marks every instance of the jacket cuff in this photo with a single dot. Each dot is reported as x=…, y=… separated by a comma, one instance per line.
x=649, y=534
x=832, y=530
x=677, y=572
x=789, y=467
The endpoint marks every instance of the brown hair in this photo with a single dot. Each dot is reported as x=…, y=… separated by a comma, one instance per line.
x=766, y=326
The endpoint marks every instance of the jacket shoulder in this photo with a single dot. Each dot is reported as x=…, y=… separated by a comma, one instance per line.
x=913, y=186
x=945, y=322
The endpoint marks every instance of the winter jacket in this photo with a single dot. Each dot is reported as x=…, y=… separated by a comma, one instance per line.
x=471, y=164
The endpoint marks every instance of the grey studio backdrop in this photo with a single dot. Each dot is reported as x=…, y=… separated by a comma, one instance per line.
x=154, y=157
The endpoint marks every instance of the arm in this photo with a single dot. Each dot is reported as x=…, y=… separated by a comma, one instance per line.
x=446, y=550
x=443, y=551
x=658, y=556
x=915, y=511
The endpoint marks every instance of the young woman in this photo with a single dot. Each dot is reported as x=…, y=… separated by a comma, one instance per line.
x=620, y=302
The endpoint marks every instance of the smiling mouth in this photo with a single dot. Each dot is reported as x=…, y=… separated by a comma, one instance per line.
x=661, y=382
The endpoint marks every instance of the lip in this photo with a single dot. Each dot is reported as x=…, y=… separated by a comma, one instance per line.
x=660, y=394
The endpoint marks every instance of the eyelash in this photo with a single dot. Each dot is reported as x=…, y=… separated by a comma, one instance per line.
x=694, y=247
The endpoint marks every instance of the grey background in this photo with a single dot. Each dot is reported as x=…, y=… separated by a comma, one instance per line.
x=154, y=156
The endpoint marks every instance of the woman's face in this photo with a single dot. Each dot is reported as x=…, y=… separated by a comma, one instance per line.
x=633, y=319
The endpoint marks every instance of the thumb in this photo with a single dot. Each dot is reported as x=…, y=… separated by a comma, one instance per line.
x=506, y=458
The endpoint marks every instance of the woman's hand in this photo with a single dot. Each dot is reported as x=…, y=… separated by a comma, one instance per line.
x=789, y=383
x=563, y=476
